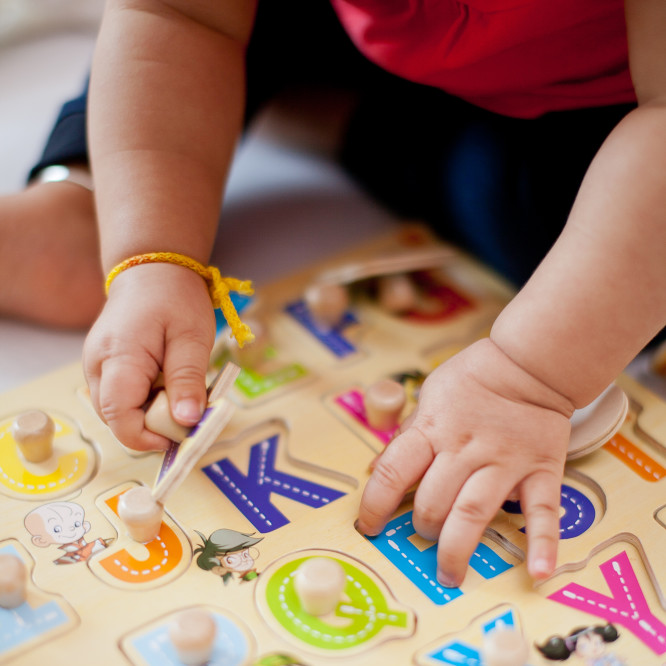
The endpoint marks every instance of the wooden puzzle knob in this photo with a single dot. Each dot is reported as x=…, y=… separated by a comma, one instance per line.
x=384, y=401
x=319, y=584
x=253, y=353
x=396, y=293
x=327, y=303
x=192, y=634
x=504, y=646
x=141, y=514
x=158, y=419
x=13, y=581
x=33, y=432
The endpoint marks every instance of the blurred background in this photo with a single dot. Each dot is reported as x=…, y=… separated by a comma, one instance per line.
x=287, y=205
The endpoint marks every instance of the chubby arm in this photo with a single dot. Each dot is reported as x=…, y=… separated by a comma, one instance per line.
x=600, y=294
x=493, y=422
x=166, y=104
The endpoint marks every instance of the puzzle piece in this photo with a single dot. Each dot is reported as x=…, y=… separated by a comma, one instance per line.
x=366, y=614
x=416, y=559
x=68, y=466
x=476, y=644
x=128, y=564
x=616, y=583
x=33, y=616
x=152, y=644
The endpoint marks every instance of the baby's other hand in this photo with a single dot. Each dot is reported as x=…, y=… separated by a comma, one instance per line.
x=158, y=317
x=484, y=430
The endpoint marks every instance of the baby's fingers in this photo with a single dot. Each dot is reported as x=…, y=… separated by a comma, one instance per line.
x=400, y=466
x=540, y=504
x=475, y=506
x=185, y=366
x=122, y=392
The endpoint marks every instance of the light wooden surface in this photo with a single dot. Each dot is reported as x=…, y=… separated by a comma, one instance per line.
x=293, y=462
x=405, y=260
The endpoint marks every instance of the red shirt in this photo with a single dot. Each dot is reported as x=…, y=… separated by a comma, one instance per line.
x=519, y=58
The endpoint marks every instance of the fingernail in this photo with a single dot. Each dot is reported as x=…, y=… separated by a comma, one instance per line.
x=445, y=580
x=160, y=447
x=363, y=531
x=541, y=568
x=188, y=411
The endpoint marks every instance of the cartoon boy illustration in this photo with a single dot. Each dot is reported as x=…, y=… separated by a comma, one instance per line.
x=227, y=552
x=63, y=524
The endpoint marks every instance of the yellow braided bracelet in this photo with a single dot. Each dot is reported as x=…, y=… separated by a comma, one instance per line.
x=218, y=286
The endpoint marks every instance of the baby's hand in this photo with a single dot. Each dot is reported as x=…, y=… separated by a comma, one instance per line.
x=158, y=317
x=484, y=430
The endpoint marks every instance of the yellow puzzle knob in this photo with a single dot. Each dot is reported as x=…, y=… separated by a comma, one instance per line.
x=33, y=431
x=42, y=456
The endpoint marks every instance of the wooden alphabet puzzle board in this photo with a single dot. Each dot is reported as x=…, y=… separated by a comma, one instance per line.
x=283, y=485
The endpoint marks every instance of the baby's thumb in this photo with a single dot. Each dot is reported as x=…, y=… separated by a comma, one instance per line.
x=185, y=380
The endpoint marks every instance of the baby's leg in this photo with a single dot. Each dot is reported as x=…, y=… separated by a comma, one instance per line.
x=499, y=187
x=49, y=265
x=49, y=256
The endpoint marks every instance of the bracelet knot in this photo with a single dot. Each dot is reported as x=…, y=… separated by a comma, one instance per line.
x=218, y=286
